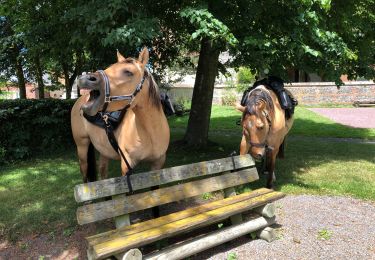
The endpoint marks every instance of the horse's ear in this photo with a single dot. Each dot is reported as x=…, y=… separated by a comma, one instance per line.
x=120, y=58
x=143, y=56
x=240, y=108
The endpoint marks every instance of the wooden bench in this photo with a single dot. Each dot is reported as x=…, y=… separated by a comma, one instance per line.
x=176, y=183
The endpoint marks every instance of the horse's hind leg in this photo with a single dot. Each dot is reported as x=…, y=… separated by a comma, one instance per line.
x=103, y=166
x=270, y=167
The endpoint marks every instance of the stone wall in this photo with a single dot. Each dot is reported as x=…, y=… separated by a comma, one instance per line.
x=307, y=93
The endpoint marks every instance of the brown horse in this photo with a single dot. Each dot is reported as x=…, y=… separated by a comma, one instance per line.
x=264, y=128
x=143, y=132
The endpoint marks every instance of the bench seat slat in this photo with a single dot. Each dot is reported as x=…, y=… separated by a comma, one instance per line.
x=120, y=244
x=118, y=185
x=149, y=224
x=126, y=204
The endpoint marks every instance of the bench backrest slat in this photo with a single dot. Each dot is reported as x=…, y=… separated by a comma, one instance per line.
x=114, y=186
x=127, y=204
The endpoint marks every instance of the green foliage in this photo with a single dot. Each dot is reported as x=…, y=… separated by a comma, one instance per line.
x=207, y=196
x=134, y=33
x=206, y=25
x=31, y=127
x=244, y=78
x=232, y=256
x=324, y=234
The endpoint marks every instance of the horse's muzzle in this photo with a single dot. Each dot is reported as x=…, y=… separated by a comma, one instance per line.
x=89, y=81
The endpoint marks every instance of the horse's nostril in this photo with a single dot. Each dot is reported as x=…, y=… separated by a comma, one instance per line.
x=258, y=156
x=92, y=78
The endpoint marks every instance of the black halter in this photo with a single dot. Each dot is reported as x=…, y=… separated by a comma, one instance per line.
x=109, y=128
x=107, y=91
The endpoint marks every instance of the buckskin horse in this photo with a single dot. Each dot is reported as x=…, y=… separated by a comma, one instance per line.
x=265, y=126
x=121, y=117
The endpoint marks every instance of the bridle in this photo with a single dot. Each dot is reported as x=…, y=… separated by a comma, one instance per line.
x=264, y=144
x=107, y=91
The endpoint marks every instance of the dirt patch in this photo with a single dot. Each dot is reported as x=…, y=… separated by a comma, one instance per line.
x=308, y=227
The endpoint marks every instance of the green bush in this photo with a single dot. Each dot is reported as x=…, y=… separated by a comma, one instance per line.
x=229, y=98
x=31, y=127
x=244, y=78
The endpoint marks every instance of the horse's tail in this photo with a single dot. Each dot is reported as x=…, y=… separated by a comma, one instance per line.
x=91, y=164
x=281, y=153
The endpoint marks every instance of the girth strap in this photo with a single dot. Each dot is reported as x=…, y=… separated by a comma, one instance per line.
x=112, y=140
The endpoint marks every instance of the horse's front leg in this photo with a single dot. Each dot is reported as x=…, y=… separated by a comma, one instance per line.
x=103, y=166
x=270, y=167
x=156, y=165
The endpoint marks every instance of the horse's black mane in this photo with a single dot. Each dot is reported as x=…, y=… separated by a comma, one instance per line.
x=255, y=96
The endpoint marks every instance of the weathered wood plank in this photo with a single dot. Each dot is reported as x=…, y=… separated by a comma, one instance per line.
x=113, y=186
x=127, y=204
x=184, y=225
x=196, y=245
x=139, y=227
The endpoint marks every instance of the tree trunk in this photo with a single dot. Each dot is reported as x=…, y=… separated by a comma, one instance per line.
x=20, y=78
x=68, y=86
x=19, y=72
x=39, y=77
x=199, y=119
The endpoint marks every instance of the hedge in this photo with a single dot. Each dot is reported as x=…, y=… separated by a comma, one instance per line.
x=32, y=127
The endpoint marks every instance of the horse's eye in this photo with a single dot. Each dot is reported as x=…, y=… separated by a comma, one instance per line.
x=128, y=73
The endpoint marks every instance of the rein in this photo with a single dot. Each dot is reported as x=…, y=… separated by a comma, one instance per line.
x=109, y=129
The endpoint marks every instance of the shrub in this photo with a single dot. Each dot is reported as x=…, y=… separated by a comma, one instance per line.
x=244, y=78
x=229, y=98
x=31, y=127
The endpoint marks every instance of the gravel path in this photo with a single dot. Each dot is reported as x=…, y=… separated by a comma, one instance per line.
x=347, y=224
x=354, y=117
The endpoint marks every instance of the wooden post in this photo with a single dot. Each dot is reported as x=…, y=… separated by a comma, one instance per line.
x=122, y=221
x=235, y=219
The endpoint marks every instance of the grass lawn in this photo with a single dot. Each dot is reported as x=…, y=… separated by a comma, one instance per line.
x=37, y=195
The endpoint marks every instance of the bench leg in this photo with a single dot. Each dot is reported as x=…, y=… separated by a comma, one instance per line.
x=236, y=219
x=268, y=234
x=122, y=221
x=267, y=211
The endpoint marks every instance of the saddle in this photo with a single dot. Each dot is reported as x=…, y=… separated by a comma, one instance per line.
x=287, y=101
